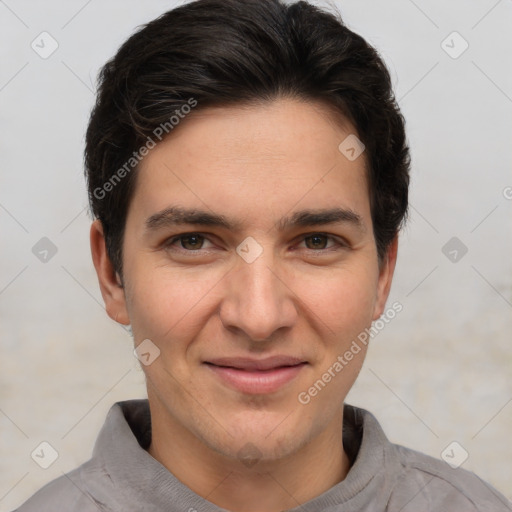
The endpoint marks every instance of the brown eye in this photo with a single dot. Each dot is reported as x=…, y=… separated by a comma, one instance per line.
x=186, y=242
x=192, y=242
x=317, y=241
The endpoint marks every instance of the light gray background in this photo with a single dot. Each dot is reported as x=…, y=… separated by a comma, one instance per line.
x=440, y=372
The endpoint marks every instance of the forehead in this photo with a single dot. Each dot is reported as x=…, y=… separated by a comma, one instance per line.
x=254, y=160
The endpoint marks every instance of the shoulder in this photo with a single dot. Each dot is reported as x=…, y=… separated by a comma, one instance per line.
x=427, y=483
x=101, y=484
x=68, y=493
x=413, y=481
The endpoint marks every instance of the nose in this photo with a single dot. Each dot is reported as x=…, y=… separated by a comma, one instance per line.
x=259, y=299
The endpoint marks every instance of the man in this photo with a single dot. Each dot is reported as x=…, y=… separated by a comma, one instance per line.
x=248, y=170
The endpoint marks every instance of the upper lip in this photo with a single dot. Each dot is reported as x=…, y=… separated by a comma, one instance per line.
x=247, y=363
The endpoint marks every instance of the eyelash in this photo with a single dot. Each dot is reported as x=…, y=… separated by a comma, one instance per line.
x=168, y=244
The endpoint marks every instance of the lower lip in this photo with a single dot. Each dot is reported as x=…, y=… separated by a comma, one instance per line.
x=257, y=382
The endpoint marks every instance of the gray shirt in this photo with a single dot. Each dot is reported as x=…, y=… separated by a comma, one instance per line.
x=121, y=476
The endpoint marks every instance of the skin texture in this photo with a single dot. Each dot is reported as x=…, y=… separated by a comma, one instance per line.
x=197, y=299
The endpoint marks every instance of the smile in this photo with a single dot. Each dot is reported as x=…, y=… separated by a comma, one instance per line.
x=256, y=377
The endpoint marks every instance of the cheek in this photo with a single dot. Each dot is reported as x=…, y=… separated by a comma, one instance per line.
x=341, y=300
x=345, y=307
x=165, y=304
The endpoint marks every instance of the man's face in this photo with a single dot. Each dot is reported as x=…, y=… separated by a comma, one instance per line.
x=221, y=302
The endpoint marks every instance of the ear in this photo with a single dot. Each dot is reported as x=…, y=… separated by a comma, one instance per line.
x=386, y=271
x=110, y=283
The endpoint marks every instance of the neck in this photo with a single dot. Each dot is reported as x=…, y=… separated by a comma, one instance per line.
x=269, y=486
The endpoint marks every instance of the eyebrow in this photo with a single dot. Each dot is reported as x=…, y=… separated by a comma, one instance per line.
x=175, y=215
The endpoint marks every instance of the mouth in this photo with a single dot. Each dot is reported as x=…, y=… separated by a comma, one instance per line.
x=254, y=376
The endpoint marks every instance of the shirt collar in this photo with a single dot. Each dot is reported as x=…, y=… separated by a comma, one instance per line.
x=133, y=477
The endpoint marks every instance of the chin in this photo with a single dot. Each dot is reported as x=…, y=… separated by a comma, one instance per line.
x=263, y=437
